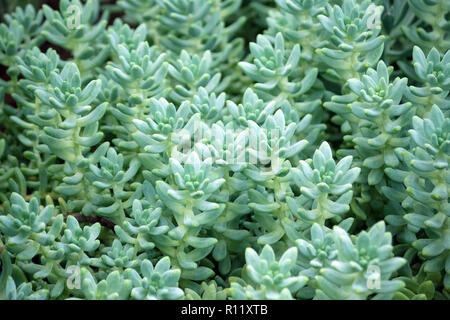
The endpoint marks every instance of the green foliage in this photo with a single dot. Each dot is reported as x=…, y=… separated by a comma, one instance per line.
x=354, y=41
x=272, y=279
x=219, y=149
x=348, y=275
x=157, y=283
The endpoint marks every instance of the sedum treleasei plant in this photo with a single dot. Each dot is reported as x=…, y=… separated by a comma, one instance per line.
x=225, y=149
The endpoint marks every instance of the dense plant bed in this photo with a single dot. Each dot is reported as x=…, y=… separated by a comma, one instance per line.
x=225, y=149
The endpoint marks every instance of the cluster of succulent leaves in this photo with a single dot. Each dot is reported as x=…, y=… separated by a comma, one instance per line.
x=98, y=102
